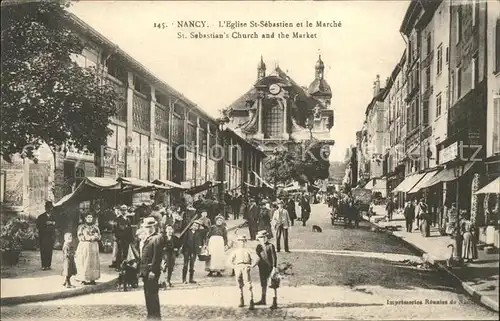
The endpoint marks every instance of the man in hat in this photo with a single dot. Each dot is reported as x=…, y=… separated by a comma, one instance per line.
x=267, y=262
x=123, y=235
x=241, y=259
x=151, y=251
x=281, y=223
x=252, y=218
x=193, y=241
x=46, y=226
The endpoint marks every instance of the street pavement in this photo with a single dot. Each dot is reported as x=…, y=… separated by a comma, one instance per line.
x=337, y=274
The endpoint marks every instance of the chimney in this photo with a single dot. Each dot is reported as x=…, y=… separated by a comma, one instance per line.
x=376, y=86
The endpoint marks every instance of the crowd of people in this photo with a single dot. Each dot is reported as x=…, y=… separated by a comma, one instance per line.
x=153, y=235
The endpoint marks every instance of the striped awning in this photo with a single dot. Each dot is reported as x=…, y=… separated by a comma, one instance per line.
x=408, y=183
x=446, y=175
x=420, y=185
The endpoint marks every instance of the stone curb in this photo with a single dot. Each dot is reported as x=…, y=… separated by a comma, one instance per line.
x=67, y=294
x=426, y=257
x=58, y=295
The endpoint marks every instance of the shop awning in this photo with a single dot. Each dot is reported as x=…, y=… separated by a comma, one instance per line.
x=408, y=183
x=168, y=184
x=203, y=187
x=420, y=185
x=446, y=175
x=89, y=188
x=491, y=188
x=262, y=180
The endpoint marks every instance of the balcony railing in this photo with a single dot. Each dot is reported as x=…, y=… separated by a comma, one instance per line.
x=121, y=104
x=141, y=112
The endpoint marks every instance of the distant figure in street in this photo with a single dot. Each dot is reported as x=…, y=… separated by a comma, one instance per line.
x=252, y=218
x=409, y=213
x=69, y=266
x=281, y=223
x=241, y=259
x=424, y=217
x=151, y=251
x=265, y=215
x=305, y=209
x=46, y=226
x=87, y=253
x=193, y=242
x=469, y=243
x=389, y=208
x=267, y=263
x=290, y=207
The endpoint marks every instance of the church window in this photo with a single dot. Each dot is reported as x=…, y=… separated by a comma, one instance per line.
x=273, y=122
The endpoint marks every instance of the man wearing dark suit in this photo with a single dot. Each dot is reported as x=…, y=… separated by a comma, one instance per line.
x=46, y=226
x=193, y=241
x=123, y=235
x=252, y=218
x=409, y=213
x=151, y=251
x=290, y=207
x=305, y=210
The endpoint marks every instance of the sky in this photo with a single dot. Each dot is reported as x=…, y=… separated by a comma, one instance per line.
x=215, y=72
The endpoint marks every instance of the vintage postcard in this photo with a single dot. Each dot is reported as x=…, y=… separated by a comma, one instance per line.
x=257, y=160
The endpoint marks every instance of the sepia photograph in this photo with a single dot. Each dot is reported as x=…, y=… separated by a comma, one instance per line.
x=249, y=160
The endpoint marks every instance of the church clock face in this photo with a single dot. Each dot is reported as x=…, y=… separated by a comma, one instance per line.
x=274, y=89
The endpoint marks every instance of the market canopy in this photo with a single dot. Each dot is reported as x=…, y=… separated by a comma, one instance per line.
x=90, y=188
x=420, y=185
x=408, y=183
x=262, y=180
x=138, y=185
x=203, y=187
x=491, y=188
x=169, y=184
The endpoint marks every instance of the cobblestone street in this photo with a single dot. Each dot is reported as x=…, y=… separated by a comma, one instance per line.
x=337, y=274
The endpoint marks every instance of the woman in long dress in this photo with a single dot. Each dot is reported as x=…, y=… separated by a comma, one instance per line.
x=469, y=242
x=217, y=244
x=87, y=252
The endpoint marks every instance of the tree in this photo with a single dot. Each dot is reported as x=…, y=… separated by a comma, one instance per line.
x=314, y=163
x=280, y=167
x=46, y=96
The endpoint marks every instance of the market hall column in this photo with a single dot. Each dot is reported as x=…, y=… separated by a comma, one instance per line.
x=130, y=117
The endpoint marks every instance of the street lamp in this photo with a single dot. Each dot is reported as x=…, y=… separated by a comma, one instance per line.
x=458, y=171
x=221, y=122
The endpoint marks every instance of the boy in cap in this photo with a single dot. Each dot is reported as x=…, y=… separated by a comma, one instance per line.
x=267, y=262
x=241, y=259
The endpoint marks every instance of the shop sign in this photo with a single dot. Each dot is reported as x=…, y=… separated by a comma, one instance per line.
x=448, y=154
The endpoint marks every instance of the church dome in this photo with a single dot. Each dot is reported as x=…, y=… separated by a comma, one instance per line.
x=319, y=87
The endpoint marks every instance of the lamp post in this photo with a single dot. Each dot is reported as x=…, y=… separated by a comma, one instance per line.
x=221, y=122
x=458, y=170
x=275, y=168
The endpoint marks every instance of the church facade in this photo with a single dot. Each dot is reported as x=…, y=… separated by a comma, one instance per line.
x=277, y=113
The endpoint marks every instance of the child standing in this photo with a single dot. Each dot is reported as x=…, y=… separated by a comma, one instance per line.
x=267, y=266
x=171, y=251
x=241, y=259
x=69, y=265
